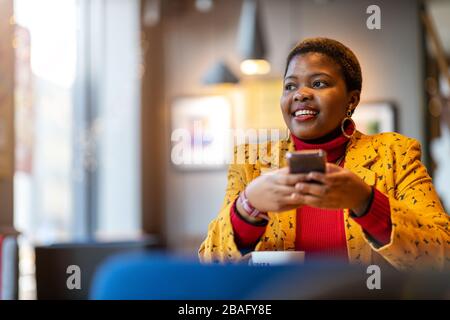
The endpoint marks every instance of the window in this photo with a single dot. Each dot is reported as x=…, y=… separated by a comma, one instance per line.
x=77, y=122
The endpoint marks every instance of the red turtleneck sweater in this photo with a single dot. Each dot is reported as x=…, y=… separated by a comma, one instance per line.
x=321, y=232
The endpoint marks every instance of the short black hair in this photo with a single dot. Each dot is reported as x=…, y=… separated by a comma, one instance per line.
x=335, y=50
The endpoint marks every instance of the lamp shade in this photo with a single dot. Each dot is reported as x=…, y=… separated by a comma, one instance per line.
x=219, y=74
x=251, y=44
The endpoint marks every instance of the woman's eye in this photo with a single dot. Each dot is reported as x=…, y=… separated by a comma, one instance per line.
x=319, y=84
x=289, y=87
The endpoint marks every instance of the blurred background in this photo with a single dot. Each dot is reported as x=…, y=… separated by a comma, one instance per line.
x=91, y=92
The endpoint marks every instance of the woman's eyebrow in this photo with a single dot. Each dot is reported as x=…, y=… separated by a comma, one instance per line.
x=290, y=77
x=312, y=75
x=319, y=74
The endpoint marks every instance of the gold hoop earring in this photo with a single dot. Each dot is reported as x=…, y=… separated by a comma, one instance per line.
x=348, y=118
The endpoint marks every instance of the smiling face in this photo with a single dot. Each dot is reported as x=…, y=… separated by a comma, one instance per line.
x=315, y=97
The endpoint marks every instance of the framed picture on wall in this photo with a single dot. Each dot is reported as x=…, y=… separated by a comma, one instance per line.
x=375, y=117
x=200, y=132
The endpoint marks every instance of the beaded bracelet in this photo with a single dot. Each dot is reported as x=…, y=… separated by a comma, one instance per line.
x=251, y=210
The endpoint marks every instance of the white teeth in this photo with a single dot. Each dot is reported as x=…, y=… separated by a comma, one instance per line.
x=304, y=112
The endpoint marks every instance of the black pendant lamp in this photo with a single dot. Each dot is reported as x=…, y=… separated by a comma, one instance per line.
x=251, y=41
x=220, y=73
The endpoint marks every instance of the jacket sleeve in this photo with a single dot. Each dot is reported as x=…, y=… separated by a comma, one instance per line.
x=420, y=237
x=219, y=245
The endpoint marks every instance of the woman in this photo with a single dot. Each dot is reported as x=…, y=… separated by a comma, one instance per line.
x=375, y=202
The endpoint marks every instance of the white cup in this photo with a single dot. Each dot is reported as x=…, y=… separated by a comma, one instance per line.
x=275, y=258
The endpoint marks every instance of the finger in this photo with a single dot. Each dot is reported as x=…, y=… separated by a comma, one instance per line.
x=338, y=177
x=331, y=168
x=283, y=190
x=293, y=199
x=310, y=200
x=316, y=176
x=291, y=179
x=318, y=202
x=315, y=189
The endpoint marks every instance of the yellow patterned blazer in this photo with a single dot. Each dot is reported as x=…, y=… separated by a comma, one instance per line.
x=420, y=237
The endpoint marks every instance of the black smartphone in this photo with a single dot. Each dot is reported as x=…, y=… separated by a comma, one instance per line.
x=305, y=161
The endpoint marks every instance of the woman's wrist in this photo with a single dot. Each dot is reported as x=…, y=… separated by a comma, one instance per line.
x=364, y=208
x=244, y=215
x=247, y=211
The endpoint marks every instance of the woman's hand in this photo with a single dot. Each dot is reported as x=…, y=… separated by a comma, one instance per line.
x=339, y=188
x=275, y=191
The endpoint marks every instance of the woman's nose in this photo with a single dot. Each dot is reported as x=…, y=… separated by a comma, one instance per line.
x=302, y=95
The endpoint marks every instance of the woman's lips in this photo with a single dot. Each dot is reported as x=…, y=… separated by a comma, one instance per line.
x=305, y=114
x=305, y=117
